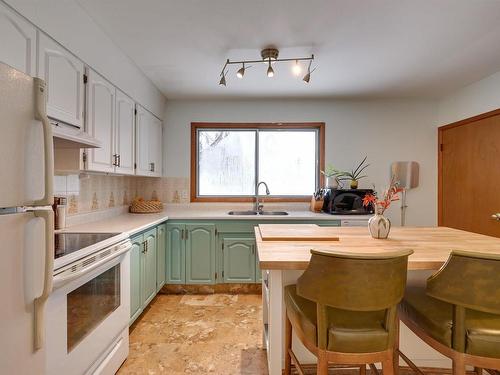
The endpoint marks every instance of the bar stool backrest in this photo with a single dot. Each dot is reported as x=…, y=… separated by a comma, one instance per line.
x=356, y=282
x=470, y=280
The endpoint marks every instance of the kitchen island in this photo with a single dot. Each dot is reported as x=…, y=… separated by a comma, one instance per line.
x=283, y=261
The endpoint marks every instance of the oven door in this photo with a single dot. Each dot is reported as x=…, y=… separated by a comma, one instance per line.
x=86, y=315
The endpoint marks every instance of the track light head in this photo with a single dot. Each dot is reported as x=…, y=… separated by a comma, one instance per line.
x=241, y=72
x=307, y=77
x=296, y=69
x=222, y=81
x=270, y=70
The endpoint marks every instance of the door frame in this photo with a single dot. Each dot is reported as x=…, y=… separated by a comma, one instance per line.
x=441, y=129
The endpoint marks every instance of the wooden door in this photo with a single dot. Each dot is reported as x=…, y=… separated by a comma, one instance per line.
x=161, y=249
x=149, y=267
x=18, y=41
x=63, y=74
x=124, y=134
x=470, y=174
x=239, y=260
x=200, y=253
x=176, y=256
x=135, y=277
x=101, y=122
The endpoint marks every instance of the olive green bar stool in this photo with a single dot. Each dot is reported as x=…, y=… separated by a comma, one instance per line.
x=344, y=309
x=458, y=314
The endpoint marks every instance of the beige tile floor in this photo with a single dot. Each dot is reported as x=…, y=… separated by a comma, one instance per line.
x=198, y=334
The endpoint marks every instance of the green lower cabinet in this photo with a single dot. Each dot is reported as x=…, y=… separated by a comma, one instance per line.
x=149, y=266
x=200, y=253
x=239, y=260
x=144, y=270
x=161, y=250
x=258, y=271
x=176, y=254
x=135, y=277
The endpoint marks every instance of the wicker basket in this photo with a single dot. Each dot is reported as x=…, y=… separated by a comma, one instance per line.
x=146, y=207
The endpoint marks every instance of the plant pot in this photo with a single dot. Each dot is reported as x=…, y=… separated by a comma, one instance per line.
x=331, y=182
x=354, y=184
x=379, y=226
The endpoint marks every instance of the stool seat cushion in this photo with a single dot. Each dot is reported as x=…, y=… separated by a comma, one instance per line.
x=348, y=331
x=435, y=317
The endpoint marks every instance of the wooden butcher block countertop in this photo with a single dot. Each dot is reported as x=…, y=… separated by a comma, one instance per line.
x=431, y=246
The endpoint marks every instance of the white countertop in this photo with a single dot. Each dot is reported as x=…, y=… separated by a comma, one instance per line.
x=134, y=223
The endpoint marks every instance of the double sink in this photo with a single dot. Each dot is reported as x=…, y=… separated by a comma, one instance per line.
x=270, y=213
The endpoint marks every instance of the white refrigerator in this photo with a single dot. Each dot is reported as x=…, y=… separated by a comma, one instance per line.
x=26, y=221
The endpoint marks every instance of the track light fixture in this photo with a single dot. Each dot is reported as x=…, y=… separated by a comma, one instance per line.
x=241, y=72
x=307, y=77
x=269, y=57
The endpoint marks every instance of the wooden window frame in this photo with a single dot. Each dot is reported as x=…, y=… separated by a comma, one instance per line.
x=320, y=126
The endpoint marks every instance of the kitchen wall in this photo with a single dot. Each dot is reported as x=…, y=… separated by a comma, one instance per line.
x=71, y=26
x=384, y=130
x=479, y=97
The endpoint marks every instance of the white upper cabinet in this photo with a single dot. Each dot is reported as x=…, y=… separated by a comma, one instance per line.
x=17, y=41
x=63, y=74
x=148, y=144
x=101, y=122
x=124, y=134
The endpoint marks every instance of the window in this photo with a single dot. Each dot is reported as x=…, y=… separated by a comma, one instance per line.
x=228, y=160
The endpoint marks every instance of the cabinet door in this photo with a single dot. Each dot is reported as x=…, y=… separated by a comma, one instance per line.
x=258, y=271
x=63, y=74
x=161, y=250
x=124, y=133
x=135, y=277
x=149, y=267
x=18, y=41
x=239, y=260
x=200, y=253
x=142, y=132
x=156, y=141
x=100, y=122
x=176, y=255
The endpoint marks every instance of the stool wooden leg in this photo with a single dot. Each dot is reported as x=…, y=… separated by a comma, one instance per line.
x=478, y=370
x=458, y=365
x=322, y=363
x=288, y=346
x=388, y=365
x=362, y=370
x=396, y=348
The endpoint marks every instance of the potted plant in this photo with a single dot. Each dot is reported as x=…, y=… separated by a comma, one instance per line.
x=331, y=176
x=378, y=225
x=355, y=174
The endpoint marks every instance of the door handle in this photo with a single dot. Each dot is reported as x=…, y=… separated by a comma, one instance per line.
x=48, y=143
x=48, y=216
x=119, y=160
x=114, y=160
x=496, y=216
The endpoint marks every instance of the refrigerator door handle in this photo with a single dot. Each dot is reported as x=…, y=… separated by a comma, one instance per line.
x=41, y=115
x=48, y=216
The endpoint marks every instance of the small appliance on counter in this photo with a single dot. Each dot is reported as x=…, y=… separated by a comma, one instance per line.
x=346, y=202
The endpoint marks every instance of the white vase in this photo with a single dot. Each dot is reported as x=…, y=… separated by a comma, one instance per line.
x=379, y=226
x=331, y=182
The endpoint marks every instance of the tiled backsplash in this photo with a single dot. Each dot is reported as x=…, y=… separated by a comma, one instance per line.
x=93, y=192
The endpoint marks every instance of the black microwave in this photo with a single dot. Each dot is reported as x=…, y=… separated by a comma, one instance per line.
x=346, y=202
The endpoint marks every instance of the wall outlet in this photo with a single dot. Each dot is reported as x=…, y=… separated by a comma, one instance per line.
x=184, y=194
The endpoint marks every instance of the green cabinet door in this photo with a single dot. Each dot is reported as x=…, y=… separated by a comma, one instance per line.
x=135, y=277
x=258, y=271
x=176, y=255
x=239, y=260
x=149, y=266
x=161, y=249
x=200, y=253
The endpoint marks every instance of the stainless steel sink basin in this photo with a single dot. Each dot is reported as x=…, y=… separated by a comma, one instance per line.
x=242, y=213
x=275, y=213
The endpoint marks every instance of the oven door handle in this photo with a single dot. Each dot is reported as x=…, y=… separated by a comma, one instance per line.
x=61, y=280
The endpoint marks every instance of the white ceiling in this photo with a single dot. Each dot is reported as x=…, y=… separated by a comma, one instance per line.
x=363, y=48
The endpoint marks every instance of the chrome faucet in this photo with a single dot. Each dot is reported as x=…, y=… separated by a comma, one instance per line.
x=258, y=207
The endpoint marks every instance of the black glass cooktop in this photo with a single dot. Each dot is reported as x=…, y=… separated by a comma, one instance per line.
x=67, y=243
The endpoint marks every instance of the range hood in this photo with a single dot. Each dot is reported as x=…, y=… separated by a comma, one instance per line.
x=67, y=137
